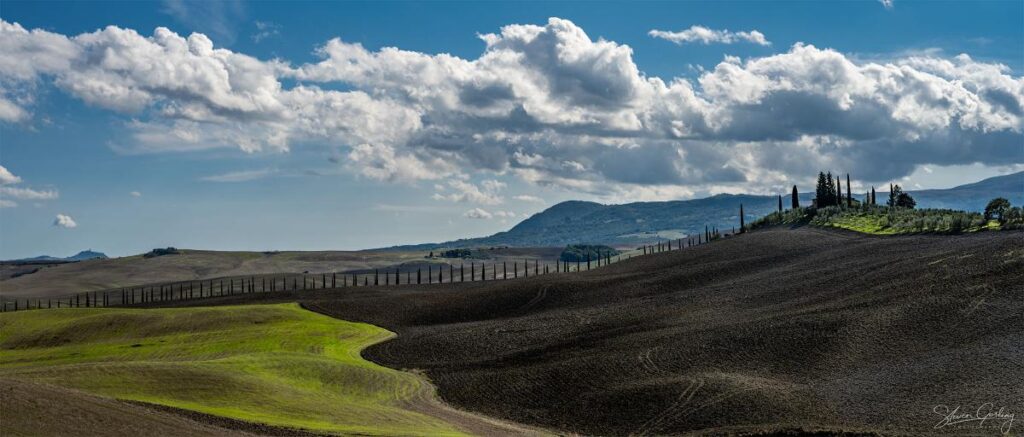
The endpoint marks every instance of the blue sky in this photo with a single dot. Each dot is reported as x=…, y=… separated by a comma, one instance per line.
x=315, y=145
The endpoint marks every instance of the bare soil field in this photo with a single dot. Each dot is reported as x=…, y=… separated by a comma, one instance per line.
x=33, y=409
x=53, y=280
x=782, y=330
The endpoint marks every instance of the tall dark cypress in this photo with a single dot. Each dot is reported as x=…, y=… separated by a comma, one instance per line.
x=796, y=198
x=742, y=225
x=839, y=191
x=780, y=203
x=821, y=190
x=873, y=202
x=849, y=196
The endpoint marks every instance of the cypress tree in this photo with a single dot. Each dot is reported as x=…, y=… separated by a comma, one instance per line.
x=839, y=191
x=873, y=202
x=821, y=191
x=849, y=196
x=796, y=198
x=780, y=203
x=742, y=226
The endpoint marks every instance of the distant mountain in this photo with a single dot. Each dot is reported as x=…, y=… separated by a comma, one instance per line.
x=86, y=254
x=974, y=197
x=80, y=256
x=619, y=225
x=575, y=221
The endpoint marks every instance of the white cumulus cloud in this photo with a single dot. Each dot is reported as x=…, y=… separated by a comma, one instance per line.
x=546, y=104
x=7, y=178
x=64, y=221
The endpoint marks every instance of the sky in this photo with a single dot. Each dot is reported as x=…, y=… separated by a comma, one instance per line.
x=126, y=126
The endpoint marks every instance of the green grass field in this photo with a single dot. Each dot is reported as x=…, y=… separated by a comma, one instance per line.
x=275, y=364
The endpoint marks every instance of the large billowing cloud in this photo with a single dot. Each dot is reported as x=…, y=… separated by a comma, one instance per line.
x=547, y=104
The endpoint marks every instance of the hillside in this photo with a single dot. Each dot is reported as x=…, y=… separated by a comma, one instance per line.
x=236, y=362
x=632, y=223
x=974, y=196
x=776, y=330
x=51, y=280
x=621, y=225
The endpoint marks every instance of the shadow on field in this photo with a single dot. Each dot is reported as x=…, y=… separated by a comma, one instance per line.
x=796, y=331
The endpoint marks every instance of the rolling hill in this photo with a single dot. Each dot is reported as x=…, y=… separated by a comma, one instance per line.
x=632, y=223
x=278, y=365
x=974, y=196
x=774, y=332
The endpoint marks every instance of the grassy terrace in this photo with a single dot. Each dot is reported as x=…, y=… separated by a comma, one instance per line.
x=275, y=364
x=881, y=220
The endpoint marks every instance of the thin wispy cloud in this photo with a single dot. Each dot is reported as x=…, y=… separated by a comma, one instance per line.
x=407, y=208
x=28, y=193
x=528, y=198
x=240, y=176
x=217, y=18
x=264, y=30
x=888, y=4
x=488, y=193
x=704, y=35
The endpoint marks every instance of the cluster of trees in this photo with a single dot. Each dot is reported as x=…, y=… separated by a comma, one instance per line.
x=456, y=253
x=829, y=192
x=161, y=252
x=899, y=199
x=1007, y=215
x=897, y=215
x=584, y=252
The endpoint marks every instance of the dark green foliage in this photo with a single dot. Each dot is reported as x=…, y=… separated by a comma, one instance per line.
x=898, y=198
x=462, y=254
x=742, y=226
x=585, y=252
x=161, y=252
x=839, y=191
x=795, y=198
x=1014, y=218
x=825, y=191
x=873, y=201
x=456, y=253
x=997, y=209
x=849, y=195
x=905, y=201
